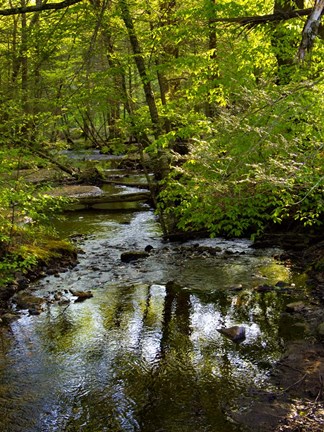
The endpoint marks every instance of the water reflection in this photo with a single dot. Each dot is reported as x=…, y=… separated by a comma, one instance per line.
x=144, y=353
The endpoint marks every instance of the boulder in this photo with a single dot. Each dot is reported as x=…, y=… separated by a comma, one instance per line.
x=77, y=191
x=81, y=295
x=237, y=287
x=7, y=292
x=24, y=300
x=133, y=256
x=295, y=307
x=8, y=317
x=235, y=333
x=264, y=288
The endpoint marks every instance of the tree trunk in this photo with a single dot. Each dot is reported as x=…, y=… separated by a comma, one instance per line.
x=310, y=30
x=212, y=45
x=169, y=51
x=140, y=64
x=55, y=162
x=23, y=59
x=285, y=59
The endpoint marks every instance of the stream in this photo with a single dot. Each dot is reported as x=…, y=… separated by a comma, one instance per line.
x=144, y=354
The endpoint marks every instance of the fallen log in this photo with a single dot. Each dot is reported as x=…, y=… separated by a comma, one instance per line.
x=123, y=183
x=107, y=198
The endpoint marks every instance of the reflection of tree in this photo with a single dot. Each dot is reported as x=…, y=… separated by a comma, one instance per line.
x=119, y=305
x=177, y=300
x=169, y=383
x=59, y=332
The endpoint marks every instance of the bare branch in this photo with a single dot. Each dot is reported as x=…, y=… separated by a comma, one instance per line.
x=38, y=8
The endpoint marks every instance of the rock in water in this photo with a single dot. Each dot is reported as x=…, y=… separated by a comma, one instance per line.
x=130, y=256
x=82, y=295
x=295, y=306
x=235, y=333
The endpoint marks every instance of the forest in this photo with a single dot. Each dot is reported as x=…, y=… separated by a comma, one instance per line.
x=202, y=308
x=223, y=98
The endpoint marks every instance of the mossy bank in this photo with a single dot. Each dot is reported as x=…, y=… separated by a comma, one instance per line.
x=44, y=257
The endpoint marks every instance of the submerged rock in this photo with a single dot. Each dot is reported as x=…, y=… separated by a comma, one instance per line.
x=237, y=287
x=235, y=333
x=295, y=306
x=133, y=256
x=25, y=300
x=264, y=288
x=81, y=295
x=77, y=191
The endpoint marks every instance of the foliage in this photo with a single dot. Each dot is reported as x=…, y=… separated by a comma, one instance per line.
x=173, y=76
x=264, y=165
x=26, y=213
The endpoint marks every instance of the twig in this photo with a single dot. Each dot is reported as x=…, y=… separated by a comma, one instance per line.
x=320, y=392
x=296, y=383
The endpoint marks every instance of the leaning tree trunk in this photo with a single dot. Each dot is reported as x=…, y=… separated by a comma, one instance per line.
x=140, y=64
x=310, y=30
x=211, y=110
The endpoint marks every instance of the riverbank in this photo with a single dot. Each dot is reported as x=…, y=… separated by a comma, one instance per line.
x=59, y=256
x=294, y=402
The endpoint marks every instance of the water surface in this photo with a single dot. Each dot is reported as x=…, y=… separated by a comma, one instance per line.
x=144, y=353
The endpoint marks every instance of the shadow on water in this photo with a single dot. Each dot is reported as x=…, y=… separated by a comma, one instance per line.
x=144, y=353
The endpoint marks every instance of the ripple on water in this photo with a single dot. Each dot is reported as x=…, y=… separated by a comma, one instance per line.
x=144, y=353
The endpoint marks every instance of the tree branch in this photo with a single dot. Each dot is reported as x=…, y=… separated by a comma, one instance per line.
x=38, y=8
x=253, y=21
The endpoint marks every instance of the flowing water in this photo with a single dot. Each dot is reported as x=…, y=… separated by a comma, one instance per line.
x=144, y=353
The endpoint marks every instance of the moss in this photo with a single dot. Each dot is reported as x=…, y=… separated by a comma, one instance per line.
x=28, y=257
x=319, y=265
x=47, y=249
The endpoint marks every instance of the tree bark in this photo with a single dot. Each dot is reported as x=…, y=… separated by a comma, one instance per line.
x=140, y=64
x=310, y=30
x=212, y=45
x=38, y=7
x=55, y=162
x=283, y=50
x=166, y=52
x=24, y=61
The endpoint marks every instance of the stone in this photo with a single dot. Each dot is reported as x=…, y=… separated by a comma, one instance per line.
x=320, y=330
x=264, y=288
x=9, y=317
x=77, y=191
x=7, y=292
x=63, y=301
x=24, y=300
x=295, y=306
x=282, y=284
x=235, y=333
x=34, y=310
x=81, y=295
x=133, y=256
x=237, y=287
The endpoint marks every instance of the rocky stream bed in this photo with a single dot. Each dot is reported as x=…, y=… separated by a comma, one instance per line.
x=173, y=299
x=130, y=334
